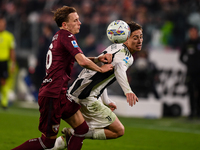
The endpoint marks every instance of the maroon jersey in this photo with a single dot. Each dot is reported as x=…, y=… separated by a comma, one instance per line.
x=59, y=63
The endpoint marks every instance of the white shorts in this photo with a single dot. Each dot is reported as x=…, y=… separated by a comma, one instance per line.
x=95, y=113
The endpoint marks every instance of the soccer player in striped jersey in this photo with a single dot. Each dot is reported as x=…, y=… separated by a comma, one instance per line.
x=89, y=89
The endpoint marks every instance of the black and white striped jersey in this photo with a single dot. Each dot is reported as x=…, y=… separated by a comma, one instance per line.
x=92, y=83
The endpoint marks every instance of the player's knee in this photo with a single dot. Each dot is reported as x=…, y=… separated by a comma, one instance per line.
x=81, y=129
x=120, y=132
x=47, y=142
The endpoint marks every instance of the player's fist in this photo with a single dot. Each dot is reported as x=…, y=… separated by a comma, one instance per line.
x=106, y=58
x=106, y=67
x=112, y=106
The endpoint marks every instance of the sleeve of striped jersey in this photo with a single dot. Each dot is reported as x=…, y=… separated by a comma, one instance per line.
x=106, y=100
x=121, y=76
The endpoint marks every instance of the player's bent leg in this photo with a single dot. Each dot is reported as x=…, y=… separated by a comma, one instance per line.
x=107, y=133
x=98, y=117
x=114, y=130
x=80, y=127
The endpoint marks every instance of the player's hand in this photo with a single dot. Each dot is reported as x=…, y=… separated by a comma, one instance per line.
x=106, y=58
x=106, y=68
x=112, y=106
x=131, y=99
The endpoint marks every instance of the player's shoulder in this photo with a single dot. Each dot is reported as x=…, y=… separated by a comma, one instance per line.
x=66, y=34
x=114, y=47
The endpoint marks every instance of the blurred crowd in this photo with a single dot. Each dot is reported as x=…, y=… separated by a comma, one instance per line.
x=165, y=24
x=164, y=21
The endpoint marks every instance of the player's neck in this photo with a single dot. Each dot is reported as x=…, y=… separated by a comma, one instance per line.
x=130, y=49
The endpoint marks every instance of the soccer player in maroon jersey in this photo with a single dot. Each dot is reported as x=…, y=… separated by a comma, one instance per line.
x=54, y=105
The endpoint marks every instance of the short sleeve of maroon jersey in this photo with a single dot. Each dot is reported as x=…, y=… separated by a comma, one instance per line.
x=69, y=42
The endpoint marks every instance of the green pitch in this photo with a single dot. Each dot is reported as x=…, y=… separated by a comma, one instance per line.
x=19, y=124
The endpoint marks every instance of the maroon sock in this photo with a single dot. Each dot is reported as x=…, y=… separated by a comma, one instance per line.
x=75, y=143
x=76, y=140
x=32, y=144
x=36, y=144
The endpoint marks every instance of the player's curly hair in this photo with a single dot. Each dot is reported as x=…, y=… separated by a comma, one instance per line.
x=61, y=14
x=134, y=26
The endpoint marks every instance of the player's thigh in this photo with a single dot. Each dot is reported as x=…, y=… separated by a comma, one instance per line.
x=96, y=114
x=75, y=120
x=71, y=113
x=49, y=116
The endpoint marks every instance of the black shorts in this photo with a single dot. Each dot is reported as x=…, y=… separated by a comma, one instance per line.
x=4, y=69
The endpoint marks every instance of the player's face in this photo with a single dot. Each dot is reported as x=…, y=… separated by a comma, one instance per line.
x=134, y=43
x=73, y=24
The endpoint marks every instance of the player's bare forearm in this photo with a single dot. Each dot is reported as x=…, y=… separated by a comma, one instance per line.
x=94, y=59
x=106, y=68
x=87, y=63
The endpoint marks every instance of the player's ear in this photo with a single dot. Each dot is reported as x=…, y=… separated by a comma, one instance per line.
x=64, y=25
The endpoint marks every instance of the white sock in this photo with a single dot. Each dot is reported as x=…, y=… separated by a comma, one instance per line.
x=59, y=144
x=98, y=134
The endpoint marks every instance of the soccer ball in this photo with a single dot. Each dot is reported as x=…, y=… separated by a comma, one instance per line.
x=118, y=31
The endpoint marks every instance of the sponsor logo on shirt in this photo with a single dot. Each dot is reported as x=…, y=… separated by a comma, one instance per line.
x=126, y=60
x=70, y=35
x=47, y=80
x=74, y=44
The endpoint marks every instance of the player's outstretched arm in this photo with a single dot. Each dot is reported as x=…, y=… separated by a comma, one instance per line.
x=107, y=101
x=87, y=63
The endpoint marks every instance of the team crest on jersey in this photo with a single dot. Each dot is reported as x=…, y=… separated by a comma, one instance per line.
x=55, y=128
x=74, y=44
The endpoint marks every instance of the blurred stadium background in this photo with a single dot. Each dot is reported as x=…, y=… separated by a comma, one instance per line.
x=158, y=80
